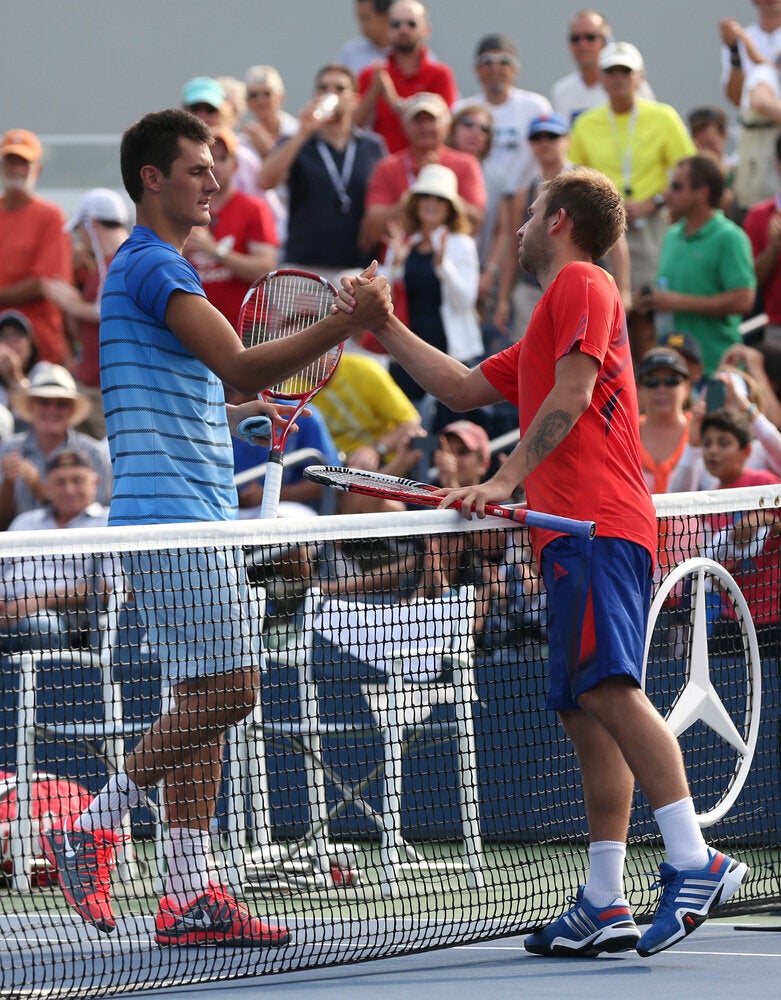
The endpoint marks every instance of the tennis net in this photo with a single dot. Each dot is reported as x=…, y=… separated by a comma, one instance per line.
x=401, y=785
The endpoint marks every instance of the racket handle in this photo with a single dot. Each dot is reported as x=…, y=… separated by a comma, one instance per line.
x=552, y=522
x=272, y=485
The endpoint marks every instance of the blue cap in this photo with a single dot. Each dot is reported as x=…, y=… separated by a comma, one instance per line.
x=552, y=123
x=203, y=90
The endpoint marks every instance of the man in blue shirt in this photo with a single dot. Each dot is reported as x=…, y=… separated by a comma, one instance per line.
x=165, y=352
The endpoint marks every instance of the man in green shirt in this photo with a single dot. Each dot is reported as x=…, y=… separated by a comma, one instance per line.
x=706, y=275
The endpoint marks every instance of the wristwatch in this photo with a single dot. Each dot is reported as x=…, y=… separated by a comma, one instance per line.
x=658, y=200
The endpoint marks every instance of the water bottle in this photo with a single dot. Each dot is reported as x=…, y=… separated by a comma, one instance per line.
x=325, y=107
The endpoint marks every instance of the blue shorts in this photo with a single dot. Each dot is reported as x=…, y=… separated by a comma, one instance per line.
x=200, y=616
x=599, y=593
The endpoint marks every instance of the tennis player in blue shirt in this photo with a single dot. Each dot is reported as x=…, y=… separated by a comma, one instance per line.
x=165, y=352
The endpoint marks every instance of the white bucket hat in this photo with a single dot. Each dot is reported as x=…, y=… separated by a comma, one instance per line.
x=49, y=381
x=440, y=181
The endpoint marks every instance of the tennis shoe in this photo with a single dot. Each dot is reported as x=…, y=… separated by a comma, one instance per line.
x=84, y=861
x=688, y=898
x=585, y=931
x=214, y=918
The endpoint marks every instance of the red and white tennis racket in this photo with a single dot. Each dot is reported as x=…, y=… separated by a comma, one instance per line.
x=278, y=305
x=377, y=484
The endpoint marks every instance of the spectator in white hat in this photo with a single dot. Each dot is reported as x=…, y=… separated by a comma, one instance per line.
x=98, y=228
x=52, y=405
x=433, y=263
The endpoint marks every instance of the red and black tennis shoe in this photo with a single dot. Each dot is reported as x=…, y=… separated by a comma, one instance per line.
x=84, y=861
x=214, y=918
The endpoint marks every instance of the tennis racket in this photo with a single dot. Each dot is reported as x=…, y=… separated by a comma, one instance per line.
x=377, y=484
x=280, y=304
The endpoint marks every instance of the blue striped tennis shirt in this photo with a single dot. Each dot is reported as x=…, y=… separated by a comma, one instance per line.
x=165, y=410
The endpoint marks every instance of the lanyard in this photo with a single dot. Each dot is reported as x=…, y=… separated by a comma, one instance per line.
x=339, y=179
x=627, y=153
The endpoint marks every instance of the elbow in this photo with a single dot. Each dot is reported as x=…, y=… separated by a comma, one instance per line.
x=746, y=300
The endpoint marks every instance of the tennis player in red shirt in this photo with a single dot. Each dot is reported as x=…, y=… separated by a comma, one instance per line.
x=579, y=456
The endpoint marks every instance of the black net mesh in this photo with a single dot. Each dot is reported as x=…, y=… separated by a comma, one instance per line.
x=400, y=784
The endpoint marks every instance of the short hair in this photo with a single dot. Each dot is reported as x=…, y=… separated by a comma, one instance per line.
x=264, y=76
x=154, y=140
x=607, y=31
x=704, y=171
x=732, y=423
x=380, y=6
x=700, y=118
x=336, y=68
x=592, y=203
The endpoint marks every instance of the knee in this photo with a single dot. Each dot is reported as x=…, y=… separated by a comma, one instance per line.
x=242, y=693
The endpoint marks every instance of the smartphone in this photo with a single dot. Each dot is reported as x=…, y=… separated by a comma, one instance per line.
x=715, y=394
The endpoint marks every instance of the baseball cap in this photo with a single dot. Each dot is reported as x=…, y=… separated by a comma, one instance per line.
x=473, y=436
x=20, y=142
x=552, y=123
x=12, y=317
x=495, y=42
x=433, y=104
x=203, y=90
x=656, y=359
x=227, y=137
x=69, y=458
x=101, y=204
x=621, y=54
x=684, y=344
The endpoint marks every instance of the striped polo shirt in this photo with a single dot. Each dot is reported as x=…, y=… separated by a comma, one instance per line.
x=165, y=410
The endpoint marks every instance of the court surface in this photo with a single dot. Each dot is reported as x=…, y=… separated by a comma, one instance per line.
x=724, y=959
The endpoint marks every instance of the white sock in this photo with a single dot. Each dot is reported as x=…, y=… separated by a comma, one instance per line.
x=111, y=804
x=605, y=881
x=188, y=856
x=683, y=840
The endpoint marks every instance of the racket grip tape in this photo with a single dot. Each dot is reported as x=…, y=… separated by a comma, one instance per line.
x=272, y=485
x=552, y=522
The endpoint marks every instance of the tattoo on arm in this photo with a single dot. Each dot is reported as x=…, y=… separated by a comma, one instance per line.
x=551, y=432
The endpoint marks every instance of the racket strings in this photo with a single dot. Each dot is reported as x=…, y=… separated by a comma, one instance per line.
x=284, y=305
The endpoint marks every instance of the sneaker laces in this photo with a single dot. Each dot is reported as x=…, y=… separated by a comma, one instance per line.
x=668, y=876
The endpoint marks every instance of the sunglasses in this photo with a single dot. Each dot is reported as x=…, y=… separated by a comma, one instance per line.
x=654, y=381
x=676, y=185
x=487, y=60
x=400, y=24
x=584, y=36
x=203, y=107
x=624, y=70
x=251, y=94
x=336, y=88
x=539, y=136
x=471, y=123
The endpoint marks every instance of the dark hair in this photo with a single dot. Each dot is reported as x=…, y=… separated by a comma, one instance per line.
x=154, y=141
x=771, y=354
x=380, y=6
x=336, y=68
x=594, y=206
x=704, y=171
x=733, y=423
x=700, y=118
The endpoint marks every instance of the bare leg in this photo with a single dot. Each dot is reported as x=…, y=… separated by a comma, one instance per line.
x=642, y=737
x=184, y=745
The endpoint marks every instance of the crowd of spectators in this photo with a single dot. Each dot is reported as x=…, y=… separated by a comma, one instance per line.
x=387, y=159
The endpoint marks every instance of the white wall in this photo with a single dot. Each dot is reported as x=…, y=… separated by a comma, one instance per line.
x=97, y=65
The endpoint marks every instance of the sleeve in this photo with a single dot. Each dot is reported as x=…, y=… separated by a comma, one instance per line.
x=151, y=279
x=53, y=248
x=501, y=370
x=755, y=225
x=459, y=273
x=679, y=143
x=769, y=436
x=471, y=185
x=381, y=189
x=736, y=262
x=687, y=474
x=584, y=307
